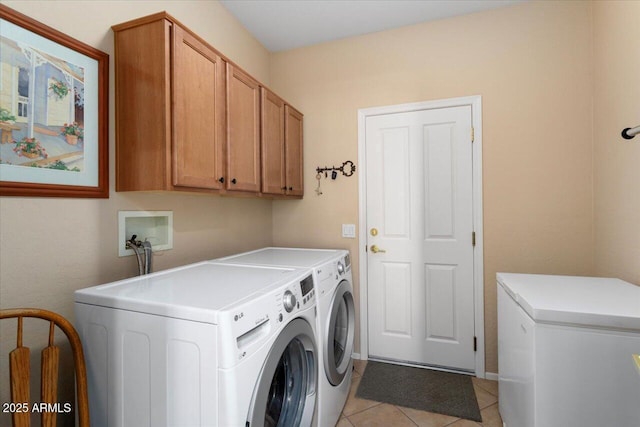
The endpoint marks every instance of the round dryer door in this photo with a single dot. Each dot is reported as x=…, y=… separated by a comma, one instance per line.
x=286, y=391
x=338, y=342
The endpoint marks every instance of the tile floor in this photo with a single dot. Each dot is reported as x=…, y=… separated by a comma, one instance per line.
x=367, y=413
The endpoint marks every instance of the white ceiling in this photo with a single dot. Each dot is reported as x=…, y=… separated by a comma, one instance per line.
x=288, y=24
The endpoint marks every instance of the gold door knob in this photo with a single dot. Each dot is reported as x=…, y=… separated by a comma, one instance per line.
x=374, y=231
x=376, y=249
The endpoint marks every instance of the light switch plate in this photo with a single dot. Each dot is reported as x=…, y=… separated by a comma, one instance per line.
x=349, y=231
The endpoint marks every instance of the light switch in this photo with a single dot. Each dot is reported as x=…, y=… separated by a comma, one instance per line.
x=349, y=231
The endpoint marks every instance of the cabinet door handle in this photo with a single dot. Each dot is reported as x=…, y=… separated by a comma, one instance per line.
x=290, y=188
x=221, y=180
x=233, y=181
x=284, y=188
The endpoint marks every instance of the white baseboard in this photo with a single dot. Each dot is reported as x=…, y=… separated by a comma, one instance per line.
x=355, y=356
x=491, y=376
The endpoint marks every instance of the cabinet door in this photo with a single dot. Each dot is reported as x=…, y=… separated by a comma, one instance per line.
x=293, y=151
x=198, y=113
x=243, y=131
x=273, y=172
x=143, y=92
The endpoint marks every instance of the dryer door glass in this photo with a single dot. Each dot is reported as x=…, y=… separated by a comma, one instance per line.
x=286, y=391
x=340, y=333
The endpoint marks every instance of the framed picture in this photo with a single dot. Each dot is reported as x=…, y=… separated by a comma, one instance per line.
x=53, y=112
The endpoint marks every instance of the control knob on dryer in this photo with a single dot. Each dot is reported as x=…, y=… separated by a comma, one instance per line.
x=340, y=268
x=289, y=301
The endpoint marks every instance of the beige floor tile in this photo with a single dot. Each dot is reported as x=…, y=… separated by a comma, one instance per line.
x=383, y=415
x=355, y=404
x=488, y=385
x=360, y=365
x=491, y=416
x=464, y=423
x=355, y=374
x=344, y=422
x=484, y=398
x=427, y=419
x=368, y=413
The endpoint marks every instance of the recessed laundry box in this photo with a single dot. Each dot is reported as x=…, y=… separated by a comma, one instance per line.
x=565, y=347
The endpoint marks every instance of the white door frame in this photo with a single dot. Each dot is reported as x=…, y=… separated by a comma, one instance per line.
x=478, y=267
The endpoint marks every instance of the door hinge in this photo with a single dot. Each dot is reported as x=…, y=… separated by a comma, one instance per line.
x=475, y=344
x=473, y=134
x=473, y=238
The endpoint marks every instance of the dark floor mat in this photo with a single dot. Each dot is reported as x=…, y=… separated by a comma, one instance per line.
x=423, y=389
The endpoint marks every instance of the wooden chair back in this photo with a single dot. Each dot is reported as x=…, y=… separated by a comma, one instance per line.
x=19, y=368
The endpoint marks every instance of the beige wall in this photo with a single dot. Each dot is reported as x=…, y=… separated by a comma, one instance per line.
x=616, y=35
x=51, y=247
x=532, y=65
x=73, y=241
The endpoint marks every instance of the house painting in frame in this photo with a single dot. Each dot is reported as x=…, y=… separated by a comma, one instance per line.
x=41, y=108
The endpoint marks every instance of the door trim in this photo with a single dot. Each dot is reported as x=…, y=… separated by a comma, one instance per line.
x=478, y=254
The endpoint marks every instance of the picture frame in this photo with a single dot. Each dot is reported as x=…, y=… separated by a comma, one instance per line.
x=53, y=112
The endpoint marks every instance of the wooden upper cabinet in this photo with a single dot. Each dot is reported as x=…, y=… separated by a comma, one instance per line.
x=293, y=151
x=273, y=166
x=281, y=147
x=243, y=131
x=170, y=108
x=198, y=113
x=187, y=118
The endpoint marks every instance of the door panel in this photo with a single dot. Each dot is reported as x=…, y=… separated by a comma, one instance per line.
x=396, y=188
x=397, y=301
x=419, y=198
x=440, y=301
x=439, y=186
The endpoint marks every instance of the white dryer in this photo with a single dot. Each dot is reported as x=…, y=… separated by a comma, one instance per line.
x=202, y=345
x=336, y=317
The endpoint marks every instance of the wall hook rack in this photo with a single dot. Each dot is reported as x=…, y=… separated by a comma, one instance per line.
x=347, y=169
x=629, y=133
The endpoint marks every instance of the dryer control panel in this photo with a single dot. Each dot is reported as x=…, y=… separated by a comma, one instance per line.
x=307, y=288
x=296, y=297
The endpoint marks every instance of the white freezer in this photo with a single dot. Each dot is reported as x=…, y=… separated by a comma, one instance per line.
x=565, y=348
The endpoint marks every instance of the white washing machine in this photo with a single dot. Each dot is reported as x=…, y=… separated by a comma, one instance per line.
x=202, y=345
x=336, y=317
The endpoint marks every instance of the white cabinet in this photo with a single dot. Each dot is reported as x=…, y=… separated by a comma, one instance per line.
x=565, y=346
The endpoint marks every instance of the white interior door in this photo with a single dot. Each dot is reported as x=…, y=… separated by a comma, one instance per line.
x=419, y=213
